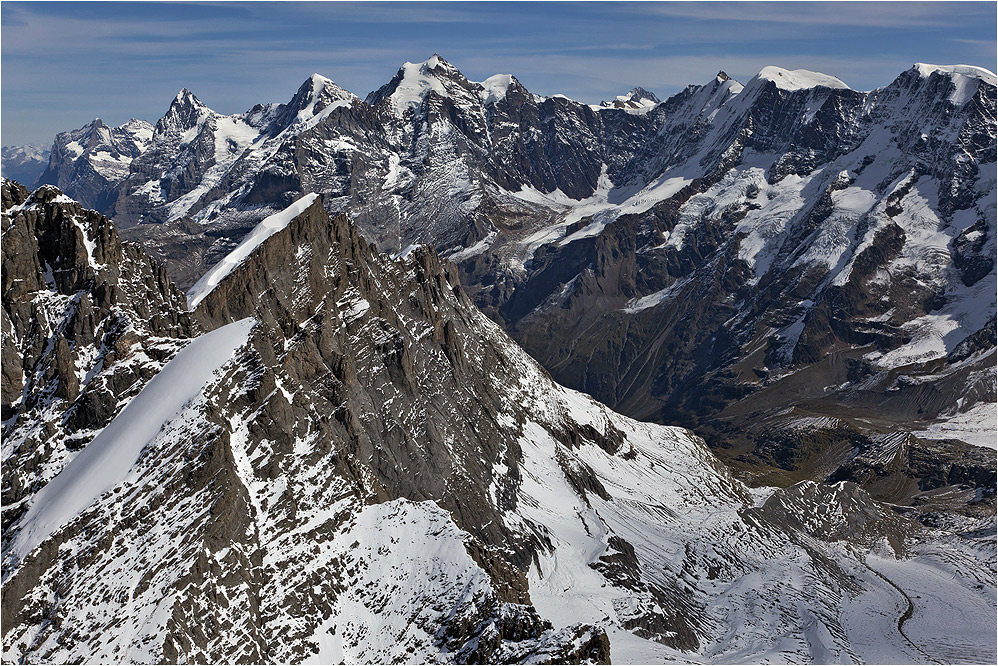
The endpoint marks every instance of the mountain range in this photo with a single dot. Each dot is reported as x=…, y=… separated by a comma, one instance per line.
x=24, y=163
x=734, y=249
x=349, y=439
x=335, y=456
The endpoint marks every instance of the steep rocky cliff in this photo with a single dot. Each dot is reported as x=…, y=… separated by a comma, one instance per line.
x=811, y=258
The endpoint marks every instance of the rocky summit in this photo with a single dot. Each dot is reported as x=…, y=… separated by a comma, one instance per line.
x=357, y=380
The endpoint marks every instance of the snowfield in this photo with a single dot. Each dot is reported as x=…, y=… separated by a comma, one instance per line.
x=109, y=458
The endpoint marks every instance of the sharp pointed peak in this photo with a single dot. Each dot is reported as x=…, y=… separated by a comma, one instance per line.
x=318, y=80
x=187, y=98
x=724, y=82
x=638, y=93
x=317, y=84
x=185, y=112
x=307, y=106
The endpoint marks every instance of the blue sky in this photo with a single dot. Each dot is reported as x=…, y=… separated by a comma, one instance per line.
x=65, y=63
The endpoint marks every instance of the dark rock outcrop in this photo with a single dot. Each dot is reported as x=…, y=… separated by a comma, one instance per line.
x=87, y=320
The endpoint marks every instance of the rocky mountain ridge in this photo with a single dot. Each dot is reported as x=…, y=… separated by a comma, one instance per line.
x=358, y=465
x=86, y=320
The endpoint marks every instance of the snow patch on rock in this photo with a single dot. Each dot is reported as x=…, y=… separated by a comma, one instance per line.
x=264, y=230
x=976, y=426
x=417, y=81
x=495, y=88
x=106, y=461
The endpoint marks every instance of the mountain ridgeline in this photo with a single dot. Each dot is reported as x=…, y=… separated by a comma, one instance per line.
x=23, y=164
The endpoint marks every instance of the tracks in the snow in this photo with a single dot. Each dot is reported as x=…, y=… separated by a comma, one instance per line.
x=906, y=615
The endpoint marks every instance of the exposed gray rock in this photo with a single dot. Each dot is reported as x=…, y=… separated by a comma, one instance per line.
x=335, y=382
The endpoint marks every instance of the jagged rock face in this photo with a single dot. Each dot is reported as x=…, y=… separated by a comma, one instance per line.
x=729, y=252
x=114, y=345
x=471, y=609
x=364, y=468
x=86, y=321
x=825, y=240
x=89, y=163
x=339, y=302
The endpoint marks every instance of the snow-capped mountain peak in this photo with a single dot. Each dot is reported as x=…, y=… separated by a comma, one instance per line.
x=315, y=99
x=435, y=61
x=925, y=70
x=29, y=151
x=964, y=79
x=725, y=83
x=318, y=80
x=185, y=112
x=139, y=129
x=186, y=100
x=496, y=87
x=798, y=79
x=414, y=81
x=185, y=96
x=320, y=89
x=638, y=93
x=108, y=151
x=637, y=98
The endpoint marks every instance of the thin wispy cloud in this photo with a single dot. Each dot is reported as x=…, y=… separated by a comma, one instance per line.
x=865, y=14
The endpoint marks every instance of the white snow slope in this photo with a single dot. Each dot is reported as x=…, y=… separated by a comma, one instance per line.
x=105, y=462
x=264, y=230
